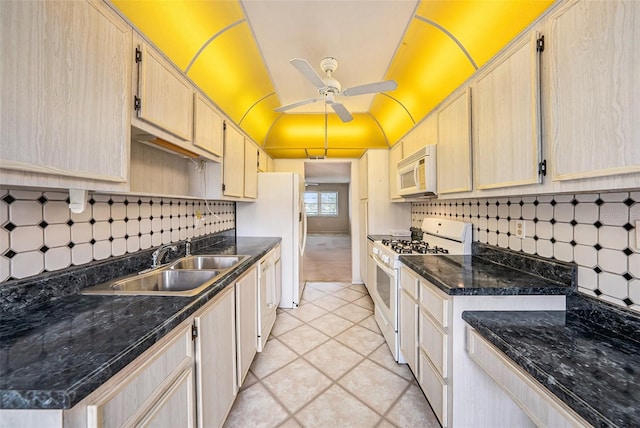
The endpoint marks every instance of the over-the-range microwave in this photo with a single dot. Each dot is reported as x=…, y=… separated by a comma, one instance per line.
x=417, y=173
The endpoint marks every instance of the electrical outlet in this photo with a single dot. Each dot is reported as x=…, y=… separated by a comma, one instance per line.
x=519, y=229
x=200, y=219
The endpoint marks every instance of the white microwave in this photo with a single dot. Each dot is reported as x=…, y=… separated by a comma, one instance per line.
x=417, y=173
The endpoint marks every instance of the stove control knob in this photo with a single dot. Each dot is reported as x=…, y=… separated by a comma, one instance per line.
x=386, y=259
x=376, y=251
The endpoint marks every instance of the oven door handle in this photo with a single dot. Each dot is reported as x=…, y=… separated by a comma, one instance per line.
x=380, y=264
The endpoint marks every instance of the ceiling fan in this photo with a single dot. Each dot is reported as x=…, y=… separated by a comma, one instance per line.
x=329, y=87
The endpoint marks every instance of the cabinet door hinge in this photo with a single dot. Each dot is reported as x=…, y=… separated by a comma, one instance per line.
x=224, y=187
x=137, y=103
x=542, y=168
x=138, y=55
x=540, y=44
x=224, y=126
x=194, y=332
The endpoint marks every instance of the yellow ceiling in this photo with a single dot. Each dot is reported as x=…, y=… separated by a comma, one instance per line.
x=444, y=44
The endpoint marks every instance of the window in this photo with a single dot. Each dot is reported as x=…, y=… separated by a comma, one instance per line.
x=321, y=203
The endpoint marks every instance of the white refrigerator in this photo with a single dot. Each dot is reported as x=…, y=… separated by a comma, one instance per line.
x=279, y=211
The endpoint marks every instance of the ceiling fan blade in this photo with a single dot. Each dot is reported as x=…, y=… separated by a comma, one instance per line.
x=342, y=112
x=371, y=88
x=297, y=104
x=305, y=68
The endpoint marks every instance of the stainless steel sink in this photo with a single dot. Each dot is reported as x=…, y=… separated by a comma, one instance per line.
x=165, y=282
x=187, y=276
x=208, y=261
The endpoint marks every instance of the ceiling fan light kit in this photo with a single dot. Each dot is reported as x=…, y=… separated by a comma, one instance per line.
x=328, y=87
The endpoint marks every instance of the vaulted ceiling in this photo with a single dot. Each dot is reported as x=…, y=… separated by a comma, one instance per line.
x=238, y=53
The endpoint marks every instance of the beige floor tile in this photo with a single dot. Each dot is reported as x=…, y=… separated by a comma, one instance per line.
x=365, y=302
x=310, y=294
x=337, y=408
x=347, y=294
x=360, y=339
x=333, y=359
x=383, y=356
x=329, y=302
x=367, y=377
x=328, y=287
x=353, y=312
x=359, y=288
x=274, y=356
x=296, y=384
x=307, y=312
x=386, y=424
x=290, y=423
x=284, y=322
x=255, y=407
x=412, y=410
x=371, y=324
x=249, y=380
x=303, y=339
x=330, y=324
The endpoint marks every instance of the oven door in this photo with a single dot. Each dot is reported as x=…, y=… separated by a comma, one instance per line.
x=386, y=291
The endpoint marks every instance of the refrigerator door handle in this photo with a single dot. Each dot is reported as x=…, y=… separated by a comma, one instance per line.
x=303, y=218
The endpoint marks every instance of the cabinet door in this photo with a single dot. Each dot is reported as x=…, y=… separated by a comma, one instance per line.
x=263, y=161
x=65, y=90
x=166, y=98
x=595, y=82
x=409, y=330
x=175, y=407
x=247, y=321
x=233, y=163
x=454, y=145
x=250, y=170
x=207, y=126
x=216, y=359
x=395, y=155
x=506, y=118
x=363, y=176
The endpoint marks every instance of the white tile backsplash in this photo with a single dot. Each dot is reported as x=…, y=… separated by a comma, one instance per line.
x=38, y=233
x=595, y=230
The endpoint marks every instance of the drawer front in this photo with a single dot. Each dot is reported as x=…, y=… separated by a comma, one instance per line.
x=434, y=303
x=147, y=377
x=434, y=342
x=435, y=389
x=409, y=282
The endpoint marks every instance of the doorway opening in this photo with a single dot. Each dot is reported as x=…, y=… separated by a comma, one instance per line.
x=327, y=256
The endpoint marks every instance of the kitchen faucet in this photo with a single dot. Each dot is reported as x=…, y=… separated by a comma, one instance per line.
x=159, y=254
x=187, y=247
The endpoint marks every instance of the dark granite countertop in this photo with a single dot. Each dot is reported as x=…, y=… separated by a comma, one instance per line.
x=588, y=356
x=55, y=354
x=473, y=275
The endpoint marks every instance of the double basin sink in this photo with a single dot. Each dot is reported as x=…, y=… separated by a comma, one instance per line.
x=186, y=276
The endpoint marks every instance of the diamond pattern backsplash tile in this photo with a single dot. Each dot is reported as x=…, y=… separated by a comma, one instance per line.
x=39, y=234
x=597, y=231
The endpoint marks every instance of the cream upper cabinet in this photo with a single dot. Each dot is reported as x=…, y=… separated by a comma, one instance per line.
x=233, y=163
x=263, y=160
x=164, y=97
x=208, y=132
x=454, y=145
x=216, y=359
x=65, y=95
x=250, y=169
x=595, y=82
x=506, y=119
x=395, y=155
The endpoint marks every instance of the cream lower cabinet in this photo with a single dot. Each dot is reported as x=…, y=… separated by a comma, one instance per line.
x=409, y=311
x=246, y=321
x=269, y=294
x=65, y=95
x=156, y=390
x=216, y=359
x=544, y=409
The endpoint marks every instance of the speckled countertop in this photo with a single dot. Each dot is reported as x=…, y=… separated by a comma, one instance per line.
x=473, y=275
x=55, y=354
x=588, y=356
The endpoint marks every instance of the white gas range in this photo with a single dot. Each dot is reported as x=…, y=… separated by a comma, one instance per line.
x=440, y=237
